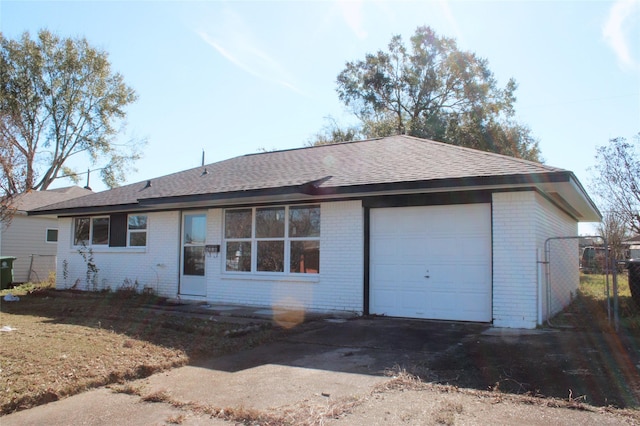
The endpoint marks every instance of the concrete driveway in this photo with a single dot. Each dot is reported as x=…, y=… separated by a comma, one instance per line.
x=326, y=360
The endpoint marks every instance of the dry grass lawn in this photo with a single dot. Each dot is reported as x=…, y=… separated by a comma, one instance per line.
x=56, y=344
x=591, y=303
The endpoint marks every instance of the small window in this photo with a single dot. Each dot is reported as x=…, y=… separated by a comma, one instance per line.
x=239, y=256
x=81, y=231
x=137, y=231
x=94, y=231
x=270, y=222
x=52, y=235
x=237, y=223
x=304, y=221
x=100, y=231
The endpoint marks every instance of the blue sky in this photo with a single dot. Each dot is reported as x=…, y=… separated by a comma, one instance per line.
x=231, y=78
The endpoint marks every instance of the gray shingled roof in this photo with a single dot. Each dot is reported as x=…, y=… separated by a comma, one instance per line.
x=38, y=199
x=394, y=160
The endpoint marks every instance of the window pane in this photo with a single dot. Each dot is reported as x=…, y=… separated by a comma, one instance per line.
x=138, y=239
x=81, y=231
x=100, y=234
x=304, y=221
x=270, y=222
x=237, y=223
x=138, y=222
x=239, y=256
x=195, y=228
x=193, y=261
x=305, y=257
x=271, y=256
x=52, y=235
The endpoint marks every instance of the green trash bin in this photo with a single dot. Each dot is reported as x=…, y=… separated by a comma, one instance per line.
x=6, y=271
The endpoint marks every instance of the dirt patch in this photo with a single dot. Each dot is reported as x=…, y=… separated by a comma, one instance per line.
x=597, y=368
x=439, y=405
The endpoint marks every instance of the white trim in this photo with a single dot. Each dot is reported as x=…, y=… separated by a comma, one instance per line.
x=107, y=249
x=90, y=241
x=137, y=231
x=292, y=277
x=253, y=240
x=46, y=234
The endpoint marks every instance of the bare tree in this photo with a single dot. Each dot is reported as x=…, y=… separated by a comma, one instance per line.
x=614, y=229
x=617, y=180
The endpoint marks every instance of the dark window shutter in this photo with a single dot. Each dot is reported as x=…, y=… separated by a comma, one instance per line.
x=118, y=230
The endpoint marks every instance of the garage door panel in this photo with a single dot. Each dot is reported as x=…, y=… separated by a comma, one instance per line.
x=441, y=248
x=412, y=249
x=467, y=307
x=473, y=245
x=384, y=301
x=384, y=247
x=436, y=264
x=413, y=300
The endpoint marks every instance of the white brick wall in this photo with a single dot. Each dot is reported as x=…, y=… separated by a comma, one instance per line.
x=564, y=272
x=522, y=221
x=155, y=266
x=514, y=260
x=338, y=287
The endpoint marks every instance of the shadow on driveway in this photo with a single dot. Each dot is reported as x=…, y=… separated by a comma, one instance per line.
x=597, y=368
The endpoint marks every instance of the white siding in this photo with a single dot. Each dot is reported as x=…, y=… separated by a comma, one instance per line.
x=155, y=266
x=26, y=237
x=522, y=221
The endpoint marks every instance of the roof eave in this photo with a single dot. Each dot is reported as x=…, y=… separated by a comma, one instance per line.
x=562, y=187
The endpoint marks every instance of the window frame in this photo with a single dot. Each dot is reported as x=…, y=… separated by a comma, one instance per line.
x=46, y=236
x=138, y=231
x=254, y=241
x=89, y=241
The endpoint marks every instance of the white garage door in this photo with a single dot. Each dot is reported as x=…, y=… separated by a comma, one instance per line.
x=431, y=262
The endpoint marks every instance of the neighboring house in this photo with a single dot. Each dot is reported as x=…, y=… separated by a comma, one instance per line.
x=633, y=247
x=395, y=226
x=32, y=240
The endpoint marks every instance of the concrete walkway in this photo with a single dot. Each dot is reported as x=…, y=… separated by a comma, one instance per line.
x=325, y=361
x=305, y=368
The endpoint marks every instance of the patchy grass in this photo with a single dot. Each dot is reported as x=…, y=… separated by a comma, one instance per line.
x=62, y=343
x=31, y=287
x=590, y=309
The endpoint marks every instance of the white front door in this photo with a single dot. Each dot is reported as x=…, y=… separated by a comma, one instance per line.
x=192, y=261
x=431, y=262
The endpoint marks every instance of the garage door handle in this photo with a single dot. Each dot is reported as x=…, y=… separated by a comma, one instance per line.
x=426, y=276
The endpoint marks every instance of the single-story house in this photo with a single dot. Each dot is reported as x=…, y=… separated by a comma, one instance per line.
x=396, y=226
x=32, y=240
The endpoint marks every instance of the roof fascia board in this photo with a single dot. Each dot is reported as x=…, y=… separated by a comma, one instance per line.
x=314, y=192
x=312, y=189
x=580, y=189
x=75, y=211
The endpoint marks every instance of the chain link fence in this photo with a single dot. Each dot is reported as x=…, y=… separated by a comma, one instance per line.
x=565, y=259
x=40, y=267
